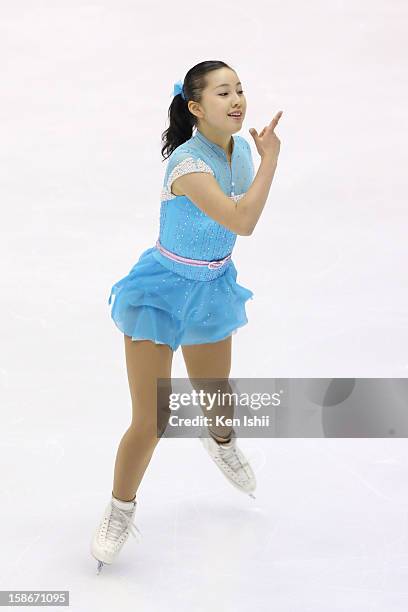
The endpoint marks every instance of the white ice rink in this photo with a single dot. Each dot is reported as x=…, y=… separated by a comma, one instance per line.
x=85, y=91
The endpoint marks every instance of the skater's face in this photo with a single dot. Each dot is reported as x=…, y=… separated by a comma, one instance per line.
x=222, y=95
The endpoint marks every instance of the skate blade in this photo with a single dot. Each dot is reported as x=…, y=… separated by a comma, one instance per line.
x=100, y=563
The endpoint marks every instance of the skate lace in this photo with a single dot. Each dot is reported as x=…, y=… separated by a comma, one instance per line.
x=230, y=456
x=119, y=521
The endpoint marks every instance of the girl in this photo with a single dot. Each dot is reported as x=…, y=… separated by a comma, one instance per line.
x=183, y=291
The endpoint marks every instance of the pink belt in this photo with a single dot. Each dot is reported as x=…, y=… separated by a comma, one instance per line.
x=212, y=265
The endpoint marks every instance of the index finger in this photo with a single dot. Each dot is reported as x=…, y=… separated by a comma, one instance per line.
x=275, y=120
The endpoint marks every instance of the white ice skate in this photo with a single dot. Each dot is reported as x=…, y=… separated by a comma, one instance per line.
x=231, y=461
x=113, y=531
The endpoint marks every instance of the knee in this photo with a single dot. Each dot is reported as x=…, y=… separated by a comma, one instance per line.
x=151, y=428
x=211, y=385
x=144, y=432
x=150, y=417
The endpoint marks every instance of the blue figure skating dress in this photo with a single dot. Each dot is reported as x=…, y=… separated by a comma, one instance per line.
x=172, y=302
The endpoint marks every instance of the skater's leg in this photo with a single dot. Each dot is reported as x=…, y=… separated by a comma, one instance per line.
x=145, y=362
x=212, y=360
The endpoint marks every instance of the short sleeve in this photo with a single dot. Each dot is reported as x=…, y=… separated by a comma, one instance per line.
x=249, y=158
x=183, y=162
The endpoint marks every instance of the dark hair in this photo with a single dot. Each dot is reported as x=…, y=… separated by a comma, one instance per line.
x=181, y=120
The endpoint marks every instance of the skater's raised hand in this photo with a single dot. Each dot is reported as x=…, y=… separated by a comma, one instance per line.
x=267, y=142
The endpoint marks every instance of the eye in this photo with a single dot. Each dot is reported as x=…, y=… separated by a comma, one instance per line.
x=226, y=93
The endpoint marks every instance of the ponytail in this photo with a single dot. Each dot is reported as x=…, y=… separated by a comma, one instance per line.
x=181, y=120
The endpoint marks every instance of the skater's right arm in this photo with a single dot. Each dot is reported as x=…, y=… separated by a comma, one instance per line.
x=242, y=216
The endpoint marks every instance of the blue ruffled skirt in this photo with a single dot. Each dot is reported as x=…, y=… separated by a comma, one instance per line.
x=155, y=303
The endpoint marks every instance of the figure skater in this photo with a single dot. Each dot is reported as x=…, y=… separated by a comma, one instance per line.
x=183, y=291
